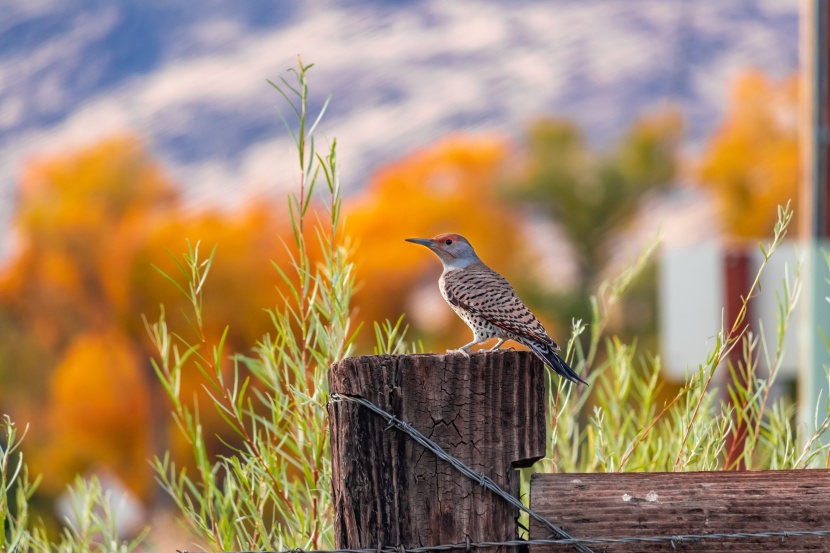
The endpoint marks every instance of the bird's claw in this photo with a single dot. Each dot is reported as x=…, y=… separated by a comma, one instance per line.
x=463, y=352
x=509, y=348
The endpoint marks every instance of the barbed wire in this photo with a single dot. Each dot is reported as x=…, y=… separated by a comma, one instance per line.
x=483, y=480
x=467, y=546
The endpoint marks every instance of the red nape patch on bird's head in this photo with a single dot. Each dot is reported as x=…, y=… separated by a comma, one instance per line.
x=448, y=239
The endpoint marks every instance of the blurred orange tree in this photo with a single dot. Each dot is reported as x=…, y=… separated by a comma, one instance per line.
x=74, y=358
x=751, y=164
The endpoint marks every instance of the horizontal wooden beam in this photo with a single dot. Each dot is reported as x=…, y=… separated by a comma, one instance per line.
x=671, y=504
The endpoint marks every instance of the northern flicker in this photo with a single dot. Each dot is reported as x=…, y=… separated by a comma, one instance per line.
x=488, y=304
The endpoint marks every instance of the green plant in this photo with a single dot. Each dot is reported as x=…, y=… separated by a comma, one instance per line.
x=91, y=528
x=619, y=425
x=391, y=338
x=273, y=493
x=15, y=490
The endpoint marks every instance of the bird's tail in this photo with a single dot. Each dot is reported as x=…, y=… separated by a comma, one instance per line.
x=552, y=360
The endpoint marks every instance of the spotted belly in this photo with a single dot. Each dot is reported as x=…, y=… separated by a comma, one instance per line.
x=482, y=329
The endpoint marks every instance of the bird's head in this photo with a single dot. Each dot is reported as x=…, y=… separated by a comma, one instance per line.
x=454, y=250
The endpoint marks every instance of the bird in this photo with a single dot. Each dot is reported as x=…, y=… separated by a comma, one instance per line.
x=488, y=304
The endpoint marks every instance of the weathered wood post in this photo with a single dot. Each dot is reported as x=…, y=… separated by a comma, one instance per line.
x=649, y=505
x=488, y=411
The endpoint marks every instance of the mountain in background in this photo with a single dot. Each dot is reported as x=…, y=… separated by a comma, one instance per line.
x=190, y=80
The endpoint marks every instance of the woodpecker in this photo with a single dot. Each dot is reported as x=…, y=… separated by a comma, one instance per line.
x=488, y=304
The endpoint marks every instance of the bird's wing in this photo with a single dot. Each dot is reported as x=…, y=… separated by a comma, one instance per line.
x=486, y=294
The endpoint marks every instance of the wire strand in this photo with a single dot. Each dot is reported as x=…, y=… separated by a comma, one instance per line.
x=675, y=539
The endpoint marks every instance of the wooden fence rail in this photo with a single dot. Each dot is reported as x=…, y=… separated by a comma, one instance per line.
x=655, y=504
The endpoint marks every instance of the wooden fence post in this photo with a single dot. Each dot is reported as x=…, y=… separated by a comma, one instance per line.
x=488, y=411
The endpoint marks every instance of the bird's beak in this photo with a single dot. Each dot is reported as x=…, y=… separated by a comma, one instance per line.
x=422, y=241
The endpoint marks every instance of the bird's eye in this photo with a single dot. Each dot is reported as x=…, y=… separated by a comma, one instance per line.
x=448, y=242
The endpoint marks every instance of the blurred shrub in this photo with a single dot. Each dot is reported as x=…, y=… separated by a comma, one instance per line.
x=98, y=411
x=751, y=164
x=593, y=196
x=92, y=520
x=74, y=358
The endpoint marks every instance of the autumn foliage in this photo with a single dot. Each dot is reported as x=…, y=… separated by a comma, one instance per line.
x=751, y=164
x=75, y=359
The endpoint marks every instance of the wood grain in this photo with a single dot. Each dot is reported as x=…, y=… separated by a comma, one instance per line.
x=653, y=504
x=488, y=410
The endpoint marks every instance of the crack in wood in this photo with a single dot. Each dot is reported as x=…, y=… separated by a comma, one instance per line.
x=487, y=410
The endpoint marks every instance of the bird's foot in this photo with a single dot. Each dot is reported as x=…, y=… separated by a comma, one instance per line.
x=462, y=351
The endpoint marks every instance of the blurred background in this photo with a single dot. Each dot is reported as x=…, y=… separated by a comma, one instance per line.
x=560, y=137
